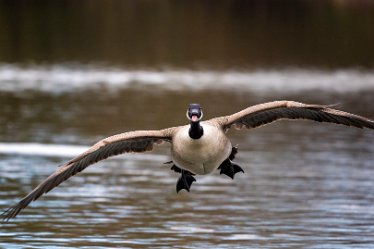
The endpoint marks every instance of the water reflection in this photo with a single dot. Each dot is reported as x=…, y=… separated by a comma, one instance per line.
x=59, y=79
x=286, y=198
x=305, y=185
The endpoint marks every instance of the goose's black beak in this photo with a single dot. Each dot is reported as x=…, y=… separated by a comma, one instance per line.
x=195, y=115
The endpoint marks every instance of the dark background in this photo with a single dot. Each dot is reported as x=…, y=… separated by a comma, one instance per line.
x=237, y=34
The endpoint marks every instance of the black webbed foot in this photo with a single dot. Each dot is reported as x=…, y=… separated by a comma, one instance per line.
x=185, y=181
x=229, y=168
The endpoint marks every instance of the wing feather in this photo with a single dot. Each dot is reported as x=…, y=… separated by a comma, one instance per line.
x=137, y=141
x=262, y=114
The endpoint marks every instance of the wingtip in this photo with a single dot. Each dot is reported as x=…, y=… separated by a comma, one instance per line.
x=10, y=213
x=7, y=215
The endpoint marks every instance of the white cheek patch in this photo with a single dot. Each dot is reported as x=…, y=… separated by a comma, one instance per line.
x=187, y=115
x=202, y=114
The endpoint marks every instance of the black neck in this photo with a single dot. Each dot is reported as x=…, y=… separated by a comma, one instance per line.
x=196, y=130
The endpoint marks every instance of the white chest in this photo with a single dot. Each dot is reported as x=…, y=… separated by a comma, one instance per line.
x=203, y=155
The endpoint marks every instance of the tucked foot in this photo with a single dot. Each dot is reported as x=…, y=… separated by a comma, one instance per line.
x=229, y=168
x=185, y=180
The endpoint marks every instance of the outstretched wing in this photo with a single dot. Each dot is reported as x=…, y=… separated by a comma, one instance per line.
x=136, y=141
x=262, y=114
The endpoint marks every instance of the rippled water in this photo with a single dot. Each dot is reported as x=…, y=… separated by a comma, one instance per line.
x=60, y=78
x=306, y=185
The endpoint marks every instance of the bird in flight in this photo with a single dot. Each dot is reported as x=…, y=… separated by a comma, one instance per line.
x=198, y=148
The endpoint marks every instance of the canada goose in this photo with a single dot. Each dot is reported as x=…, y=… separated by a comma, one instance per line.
x=196, y=149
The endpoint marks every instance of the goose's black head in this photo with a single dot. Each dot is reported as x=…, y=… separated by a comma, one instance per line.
x=194, y=113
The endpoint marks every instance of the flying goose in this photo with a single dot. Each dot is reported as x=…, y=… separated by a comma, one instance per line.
x=196, y=149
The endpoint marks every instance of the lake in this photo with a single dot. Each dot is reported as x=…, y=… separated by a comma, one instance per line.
x=306, y=184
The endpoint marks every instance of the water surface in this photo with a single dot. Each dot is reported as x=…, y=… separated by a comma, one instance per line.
x=306, y=185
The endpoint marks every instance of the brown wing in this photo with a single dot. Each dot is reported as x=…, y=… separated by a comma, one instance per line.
x=137, y=141
x=262, y=114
